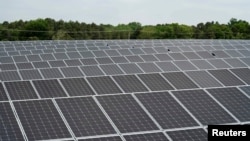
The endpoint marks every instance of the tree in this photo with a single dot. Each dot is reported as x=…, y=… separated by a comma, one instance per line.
x=36, y=29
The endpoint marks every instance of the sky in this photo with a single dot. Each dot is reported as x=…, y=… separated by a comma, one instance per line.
x=147, y=12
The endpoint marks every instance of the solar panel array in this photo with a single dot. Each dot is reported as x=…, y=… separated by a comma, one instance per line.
x=122, y=90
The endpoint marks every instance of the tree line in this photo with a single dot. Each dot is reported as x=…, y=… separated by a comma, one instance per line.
x=50, y=29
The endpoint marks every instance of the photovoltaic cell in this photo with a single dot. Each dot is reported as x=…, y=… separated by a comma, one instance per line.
x=71, y=72
x=179, y=80
x=119, y=59
x=134, y=59
x=235, y=62
x=167, y=66
x=146, y=137
x=191, y=55
x=163, y=57
x=10, y=130
x=167, y=112
x=243, y=74
x=92, y=70
x=73, y=62
x=202, y=64
x=20, y=90
x=30, y=74
x=246, y=89
x=177, y=56
x=111, y=69
x=203, y=107
x=189, y=135
x=129, y=83
x=185, y=65
x=236, y=102
x=77, y=87
x=149, y=67
x=155, y=82
x=24, y=66
x=41, y=64
x=130, y=68
x=41, y=120
x=104, y=85
x=49, y=88
x=148, y=58
x=58, y=63
x=219, y=63
x=104, y=60
x=84, y=117
x=114, y=138
x=9, y=76
x=4, y=67
x=126, y=113
x=3, y=96
x=51, y=73
x=226, y=77
x=200, y=76
x=89, y=61
x=20, y=59
x=246, y=61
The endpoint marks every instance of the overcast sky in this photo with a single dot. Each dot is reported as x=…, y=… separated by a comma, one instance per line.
x=190, y=12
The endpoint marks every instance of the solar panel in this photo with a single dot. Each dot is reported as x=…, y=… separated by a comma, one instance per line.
x=149, y=67
x=49, y=88
x=130, y=68
x=9, y=76
x=200, y=76
x=155, y=82
x=126, y=113
x=115, y=138
x=167, y=66
x=243, y=74
x=20, y=90
x=203, y=107
x=10, y=130
x=92, y=70
x=167, y=112
x=234, y=101
x=84, y=117
x=40, y=64
x=163, y=57
x=191, y=134
x=77, y=87
x=122, y=89
x=146, y=137
x=104, y=85
x=71, y=72
x=41, y=120
x=246, y=89
x=30, y=74
x=3, y=96
x=111, y=69
x=179, y=80
x=73, y=62
x=4, y=67
x=130, y=83
x=51, y=73
x=185, y=65
x=226, y=78
x=219, y=63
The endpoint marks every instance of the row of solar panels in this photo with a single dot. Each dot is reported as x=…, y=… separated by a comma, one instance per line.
x=57, y=48
x=129, y=42
x=76, y=53
x=158, y=115
x=36, y=89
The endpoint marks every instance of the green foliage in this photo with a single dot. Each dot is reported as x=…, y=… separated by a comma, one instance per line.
x=50, y=29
